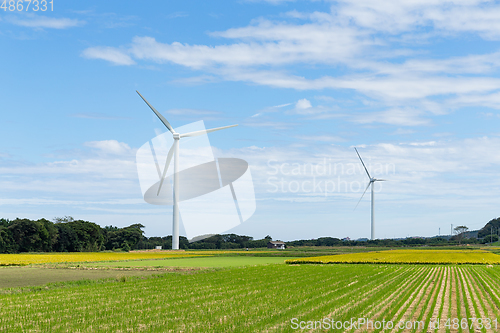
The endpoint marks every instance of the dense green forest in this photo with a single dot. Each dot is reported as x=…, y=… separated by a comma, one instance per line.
x=69, y=235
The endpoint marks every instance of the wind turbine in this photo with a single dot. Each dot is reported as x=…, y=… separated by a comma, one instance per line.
x=372, y=184
x=174, y=151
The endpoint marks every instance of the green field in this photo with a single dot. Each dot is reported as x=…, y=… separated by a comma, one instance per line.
x=198, y=262
x=11, y=277
x=259, y=297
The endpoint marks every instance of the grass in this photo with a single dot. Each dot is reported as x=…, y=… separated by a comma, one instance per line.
x=198, y=262
x=11, y=277
x=407, y=257
x=256, y=299
x=246, y=292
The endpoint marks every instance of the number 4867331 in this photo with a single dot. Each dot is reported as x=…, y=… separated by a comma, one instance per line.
x=27, y=5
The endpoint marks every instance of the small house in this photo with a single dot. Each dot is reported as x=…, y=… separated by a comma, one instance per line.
x=276, y=245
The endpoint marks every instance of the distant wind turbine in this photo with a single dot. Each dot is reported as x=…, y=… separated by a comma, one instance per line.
x=371, y=183
x=174, y=151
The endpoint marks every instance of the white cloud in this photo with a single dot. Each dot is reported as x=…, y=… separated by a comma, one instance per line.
x=396, y=116
x=303, y=104
x=34, y=21
x=280, y=125
x=403, y=131
x=429, y=143
x=110, y=54
x=266, y=43
x=192, y=112
x=435, y=177
x=479, y=16
x=323, y=138
x=365, y=39
x=110, y=147
x=177, y=15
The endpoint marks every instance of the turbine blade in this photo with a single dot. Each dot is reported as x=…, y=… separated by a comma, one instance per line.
x=167, y=163
x=381, y=180
x=162, y=119
x=197, y=133
x=363, y=163
x=366, y=189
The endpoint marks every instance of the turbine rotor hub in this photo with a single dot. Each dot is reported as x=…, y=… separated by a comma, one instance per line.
x=176, y=136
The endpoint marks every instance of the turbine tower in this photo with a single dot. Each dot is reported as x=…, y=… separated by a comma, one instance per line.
x=174, y=151
x=372, y=184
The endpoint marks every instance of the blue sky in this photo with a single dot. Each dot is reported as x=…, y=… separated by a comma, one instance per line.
x=414, y=85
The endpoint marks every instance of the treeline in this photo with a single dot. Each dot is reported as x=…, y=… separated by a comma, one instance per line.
x=65, y=235
x=69, y=235
x=329, y=241
x=228, y=241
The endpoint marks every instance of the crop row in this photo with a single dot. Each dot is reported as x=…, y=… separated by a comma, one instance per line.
x=263, y=298
x=42, y=258
x=439, y=257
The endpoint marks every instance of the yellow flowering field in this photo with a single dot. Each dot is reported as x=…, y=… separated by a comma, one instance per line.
x=57, y=257
x=406, y=257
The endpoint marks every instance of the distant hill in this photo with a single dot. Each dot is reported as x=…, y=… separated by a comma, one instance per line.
x=486, y=230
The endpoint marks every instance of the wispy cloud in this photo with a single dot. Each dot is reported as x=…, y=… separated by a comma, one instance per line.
x=110, y=147
x=322, y=138
x=270, y=124
x=396, y=116
x=363, y=38
x=403, y=131
x=177, y=15
x=111, y=54
x=38, y=21
x=196, y=112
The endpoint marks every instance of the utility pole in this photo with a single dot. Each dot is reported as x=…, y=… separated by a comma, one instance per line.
x=491, y=235
x=439, y=232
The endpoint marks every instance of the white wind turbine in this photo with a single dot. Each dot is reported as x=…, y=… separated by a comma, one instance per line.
x=174, y=150
x=372, y=184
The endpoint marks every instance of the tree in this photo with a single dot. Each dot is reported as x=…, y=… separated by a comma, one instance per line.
x=6, y=241
x=67, y=240
x=30, y=236
x=89, y=236
x=63, y=219
x=52, y=233
x=116, y=237
x=460, y=233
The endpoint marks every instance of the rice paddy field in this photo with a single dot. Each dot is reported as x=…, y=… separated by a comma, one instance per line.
x=473, y=256
x=40, y=258
x=264, y=297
